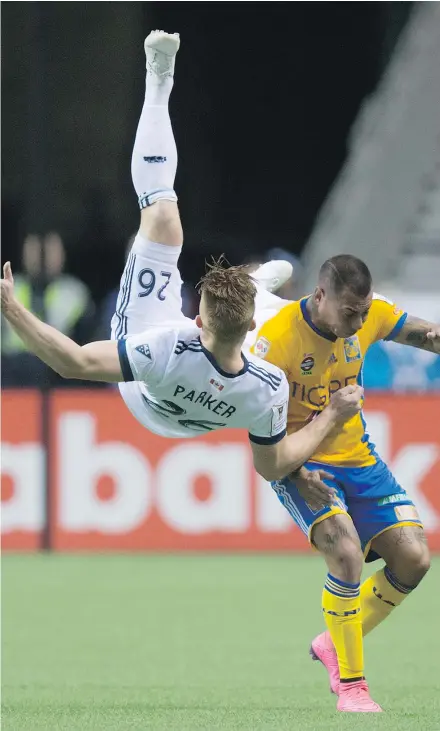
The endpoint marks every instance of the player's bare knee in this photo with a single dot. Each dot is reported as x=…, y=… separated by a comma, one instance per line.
x=412, y=564
x=338, y=541
x=406, y=553
x=160, y=222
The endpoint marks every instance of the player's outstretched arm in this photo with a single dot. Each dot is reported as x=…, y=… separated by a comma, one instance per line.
x=275, y=461
x=93, y=362
x=420, y=334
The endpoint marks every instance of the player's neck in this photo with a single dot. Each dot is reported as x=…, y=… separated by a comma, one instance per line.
x=313, y=312
x=227, y=356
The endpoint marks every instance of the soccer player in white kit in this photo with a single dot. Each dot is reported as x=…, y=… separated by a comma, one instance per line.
x=179, y=377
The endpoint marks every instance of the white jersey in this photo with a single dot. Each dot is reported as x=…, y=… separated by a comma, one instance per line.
x=180, y=391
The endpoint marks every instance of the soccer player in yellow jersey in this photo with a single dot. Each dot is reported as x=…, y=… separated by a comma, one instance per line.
x=320, y=342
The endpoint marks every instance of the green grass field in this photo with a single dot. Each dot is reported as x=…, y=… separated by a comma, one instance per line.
x=114, y=642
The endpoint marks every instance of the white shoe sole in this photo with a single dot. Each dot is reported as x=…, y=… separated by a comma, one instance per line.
x=167, y=43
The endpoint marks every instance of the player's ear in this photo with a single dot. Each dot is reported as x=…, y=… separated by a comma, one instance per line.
x=318, y=294
x=253, y=325
x=199, y=322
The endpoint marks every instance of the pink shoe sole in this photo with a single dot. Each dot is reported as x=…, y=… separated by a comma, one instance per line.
x=314, y=657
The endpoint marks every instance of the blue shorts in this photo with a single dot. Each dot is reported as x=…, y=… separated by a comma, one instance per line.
x=370, y=495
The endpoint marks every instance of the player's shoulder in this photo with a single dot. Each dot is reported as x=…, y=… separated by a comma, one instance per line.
x=265, y=373
x=281, y=326
x=381, y=305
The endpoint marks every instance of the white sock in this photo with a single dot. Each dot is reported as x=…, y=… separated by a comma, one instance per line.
x=154, y=159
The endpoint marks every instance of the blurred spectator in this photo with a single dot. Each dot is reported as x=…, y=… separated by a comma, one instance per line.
x=57, y=298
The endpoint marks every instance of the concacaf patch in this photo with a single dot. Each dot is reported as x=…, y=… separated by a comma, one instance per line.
x=262, y=347
x=352, y=349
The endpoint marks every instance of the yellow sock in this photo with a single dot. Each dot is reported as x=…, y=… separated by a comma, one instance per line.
x=341, y=605
x=379, y=595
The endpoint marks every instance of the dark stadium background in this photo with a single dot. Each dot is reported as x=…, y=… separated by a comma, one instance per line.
x=261, y=132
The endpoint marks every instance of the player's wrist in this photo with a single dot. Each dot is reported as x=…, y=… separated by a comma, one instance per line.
x=11, y=309
x=331, y=415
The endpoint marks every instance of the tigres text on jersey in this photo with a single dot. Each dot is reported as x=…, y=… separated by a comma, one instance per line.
x=317, y=364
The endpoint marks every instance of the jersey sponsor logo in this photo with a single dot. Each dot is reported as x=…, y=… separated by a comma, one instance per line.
x=262, y=347
x=397, y=498
x=307, y=364
x=155, y=158
x=216, y=384
x=144, y=350
x=319, y=395
x=279, y=418
x=352, y=349
x=332, y=359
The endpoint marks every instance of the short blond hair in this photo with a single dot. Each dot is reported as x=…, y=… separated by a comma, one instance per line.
x=229, y=296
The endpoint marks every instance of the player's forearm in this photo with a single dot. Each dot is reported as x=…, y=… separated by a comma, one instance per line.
x=58, y=351
x=415, y=333
x=295, y=449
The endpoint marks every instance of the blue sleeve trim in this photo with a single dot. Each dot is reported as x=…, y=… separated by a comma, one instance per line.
x=125, y=363
x=267, y=440
x=397, y=327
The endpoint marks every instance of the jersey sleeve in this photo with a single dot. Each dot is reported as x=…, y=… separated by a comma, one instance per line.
x=387, y=320
x=270, y=428
x=145, y=357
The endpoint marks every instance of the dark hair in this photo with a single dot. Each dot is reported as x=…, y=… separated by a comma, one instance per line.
x=347, y=272
x=229, y=294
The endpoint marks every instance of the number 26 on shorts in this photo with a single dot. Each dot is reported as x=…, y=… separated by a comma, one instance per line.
x=147, y=281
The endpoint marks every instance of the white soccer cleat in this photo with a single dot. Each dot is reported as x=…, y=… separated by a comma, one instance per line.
x=273, y=274
x=160, y=51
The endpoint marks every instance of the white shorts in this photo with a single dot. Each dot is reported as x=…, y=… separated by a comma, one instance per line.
x=150, y=290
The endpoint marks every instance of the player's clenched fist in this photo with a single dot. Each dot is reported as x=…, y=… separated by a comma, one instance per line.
x=7, y=287
x=347, y=402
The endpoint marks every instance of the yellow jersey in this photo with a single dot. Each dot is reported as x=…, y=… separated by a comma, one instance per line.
x=317, y=364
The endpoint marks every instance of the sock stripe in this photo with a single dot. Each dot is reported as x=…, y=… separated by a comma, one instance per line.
x=341, y=588
x=342, y=583
x=396, y=583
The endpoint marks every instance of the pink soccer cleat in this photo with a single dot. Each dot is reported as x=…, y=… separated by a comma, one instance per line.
x=355, y=698
x=322, y=649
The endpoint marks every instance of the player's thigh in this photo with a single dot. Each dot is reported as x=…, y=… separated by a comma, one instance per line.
x=160, y=222
x=150, y=289
x=329, y=529
x=379, y=505
x=404, y=549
